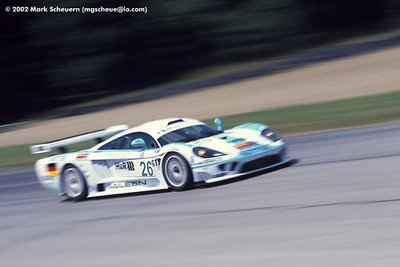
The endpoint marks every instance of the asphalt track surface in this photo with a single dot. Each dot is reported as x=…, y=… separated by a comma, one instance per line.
x=338, y=206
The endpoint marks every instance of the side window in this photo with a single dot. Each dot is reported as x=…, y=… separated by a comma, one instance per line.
x=148, y=141
x=135, y=141
x=119, y=143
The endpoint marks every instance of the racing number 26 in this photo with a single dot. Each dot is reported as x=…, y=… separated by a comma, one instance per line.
x=147, y=168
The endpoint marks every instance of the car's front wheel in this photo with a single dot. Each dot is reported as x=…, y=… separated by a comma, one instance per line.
x=74, y=183
x=177, y=172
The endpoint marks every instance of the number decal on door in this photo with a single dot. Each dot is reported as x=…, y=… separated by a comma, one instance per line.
x=147, y=168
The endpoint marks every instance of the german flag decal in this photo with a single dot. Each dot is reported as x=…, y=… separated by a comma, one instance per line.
x=52, y=169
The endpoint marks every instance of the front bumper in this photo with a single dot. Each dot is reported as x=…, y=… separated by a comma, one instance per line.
x=245, y=163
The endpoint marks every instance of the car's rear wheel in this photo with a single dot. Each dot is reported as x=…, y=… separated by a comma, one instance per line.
x=74, y=183
x=177, y=172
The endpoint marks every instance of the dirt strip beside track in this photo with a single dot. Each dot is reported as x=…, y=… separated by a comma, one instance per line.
x=371, y=73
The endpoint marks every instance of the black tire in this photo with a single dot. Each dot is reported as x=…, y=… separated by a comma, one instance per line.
x=177, y=172
x=74, y=183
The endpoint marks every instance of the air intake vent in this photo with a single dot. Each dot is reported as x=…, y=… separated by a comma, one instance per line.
x=175, y=121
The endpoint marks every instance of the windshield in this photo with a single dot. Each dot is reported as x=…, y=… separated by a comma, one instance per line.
x=188, y=134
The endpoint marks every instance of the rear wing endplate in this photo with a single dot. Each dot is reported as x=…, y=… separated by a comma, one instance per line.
x=47, y=147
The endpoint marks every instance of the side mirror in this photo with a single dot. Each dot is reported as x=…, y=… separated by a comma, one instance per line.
x=218, y=123
x=138, y=144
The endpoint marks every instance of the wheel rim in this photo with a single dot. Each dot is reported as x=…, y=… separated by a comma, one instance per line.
x=73, y=183
x=175, y=171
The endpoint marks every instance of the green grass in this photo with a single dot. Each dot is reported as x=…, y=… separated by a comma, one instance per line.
x=327, y=115
x=294, y=119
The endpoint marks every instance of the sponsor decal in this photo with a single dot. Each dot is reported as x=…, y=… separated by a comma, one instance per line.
x=156, y=162
x=125, y=165
x=152, y=182
x=117, y=185
x=52, y=169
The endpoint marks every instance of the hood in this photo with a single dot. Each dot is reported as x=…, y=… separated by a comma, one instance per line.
x=228, y=143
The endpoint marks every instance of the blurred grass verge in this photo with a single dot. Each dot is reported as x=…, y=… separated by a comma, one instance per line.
x=287, y=120
x=326, y=115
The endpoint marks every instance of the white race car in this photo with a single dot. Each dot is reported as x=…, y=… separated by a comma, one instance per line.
x=170, y=153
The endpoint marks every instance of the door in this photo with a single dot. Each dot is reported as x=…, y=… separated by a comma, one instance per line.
x=132, y=157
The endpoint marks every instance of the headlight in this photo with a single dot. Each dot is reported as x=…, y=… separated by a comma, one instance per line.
x=204, y=152
x=271, y=134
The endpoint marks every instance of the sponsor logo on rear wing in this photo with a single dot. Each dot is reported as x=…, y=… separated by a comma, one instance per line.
x=47, y=147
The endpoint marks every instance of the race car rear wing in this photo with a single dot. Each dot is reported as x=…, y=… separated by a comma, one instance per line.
x=61, y=143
